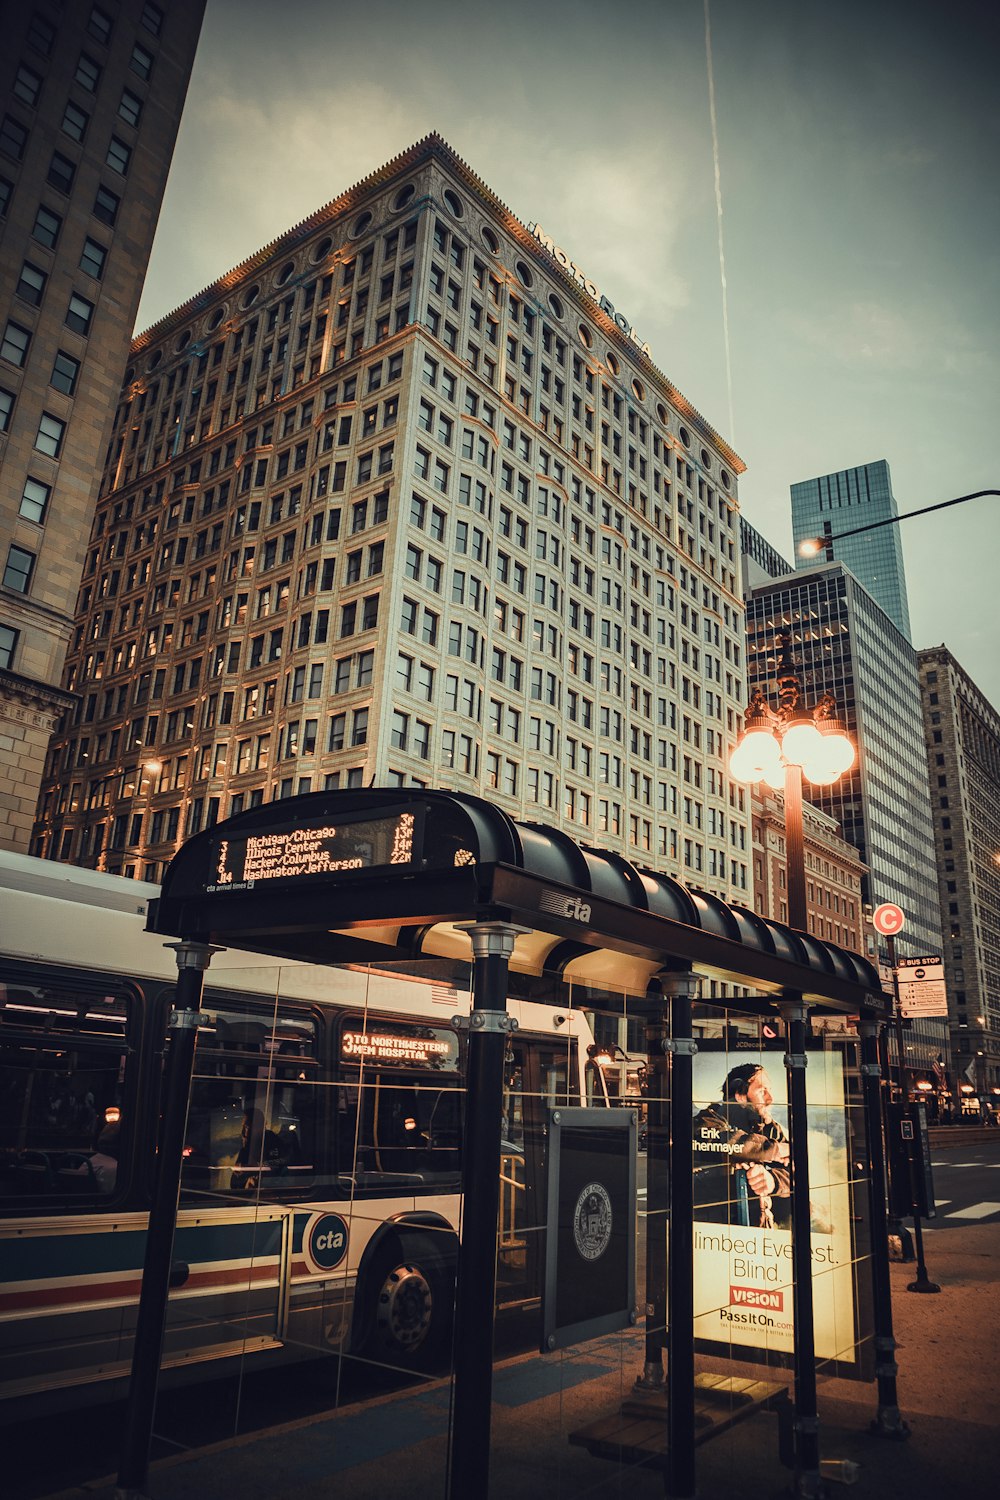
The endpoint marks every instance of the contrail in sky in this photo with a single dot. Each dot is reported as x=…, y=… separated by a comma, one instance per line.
x=718, y=215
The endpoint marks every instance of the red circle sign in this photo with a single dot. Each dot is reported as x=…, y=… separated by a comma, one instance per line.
x=888, y=919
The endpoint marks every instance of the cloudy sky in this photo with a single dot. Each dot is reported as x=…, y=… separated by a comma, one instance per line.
x=858, y=143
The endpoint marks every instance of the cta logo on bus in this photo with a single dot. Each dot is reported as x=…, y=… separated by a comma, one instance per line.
x=324, y=1242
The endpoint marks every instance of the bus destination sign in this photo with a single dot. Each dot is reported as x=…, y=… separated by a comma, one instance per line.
x=308, y=850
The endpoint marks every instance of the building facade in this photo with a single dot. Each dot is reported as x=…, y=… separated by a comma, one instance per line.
x=92, y=98
x=759, y=560
x=962, y=730
x=845, y=644
x=834, y=899
x=403, y=500
x=838, y=502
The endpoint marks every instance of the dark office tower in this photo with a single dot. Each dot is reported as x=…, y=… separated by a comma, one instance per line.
x=839, y=502
x=90, y=98
x=759, y=561
x=845, y=644
x=963, y=756
x=400, y=500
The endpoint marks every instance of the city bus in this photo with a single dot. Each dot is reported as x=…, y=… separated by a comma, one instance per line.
x=320, y=1199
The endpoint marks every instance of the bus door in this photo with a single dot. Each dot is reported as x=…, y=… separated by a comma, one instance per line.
x=537, y=1073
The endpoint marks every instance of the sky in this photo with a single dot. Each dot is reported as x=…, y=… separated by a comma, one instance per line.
x=856, y=166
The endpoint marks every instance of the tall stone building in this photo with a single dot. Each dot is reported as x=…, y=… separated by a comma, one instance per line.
x=403, y=499
x=91, y=102
x=834, y=901
x=962, y=730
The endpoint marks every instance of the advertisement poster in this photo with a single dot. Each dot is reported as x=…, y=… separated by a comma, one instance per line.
x=742, y=1204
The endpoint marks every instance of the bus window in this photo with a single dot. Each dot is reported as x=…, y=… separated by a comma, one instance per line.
x=62, y=1072
x=399, y=1115
x=252, y=1117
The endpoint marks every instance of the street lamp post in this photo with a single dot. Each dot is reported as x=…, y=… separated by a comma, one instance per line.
x=780, y=747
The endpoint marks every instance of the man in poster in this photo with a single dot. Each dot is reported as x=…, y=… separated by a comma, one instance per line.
x=741, y=1155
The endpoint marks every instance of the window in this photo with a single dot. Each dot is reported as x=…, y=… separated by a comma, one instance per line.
x=93, y=259
x=17, y=573
x=65, y=372
x=118, y=156
x=47, y=227
x=34, y=500
x=79, y=314
x=75, y=121
x=130, y=108
x=27, y=85
x=88, y=73
x=15, y=344
x=31, y=284
x=106, y=205
x=141, y=61
x=6, y=408
x=13, y=137
x=41, y=34
x=151, y=18
x=99, y=25
x=6, y=191
x=8, y=645
x=61, y=172
x=51, y=432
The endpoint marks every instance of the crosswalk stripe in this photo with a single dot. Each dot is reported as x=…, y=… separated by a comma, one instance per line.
x=975, y=1211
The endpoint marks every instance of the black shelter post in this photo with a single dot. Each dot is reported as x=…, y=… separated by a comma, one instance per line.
x=807, y=1470
x=680, y=1475
x=888, y=1422
x=193, y=958
x=657, y=1199
x=489, y=1026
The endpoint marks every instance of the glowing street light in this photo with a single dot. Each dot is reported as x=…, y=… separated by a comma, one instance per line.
x=812, y=546
x=780, y=746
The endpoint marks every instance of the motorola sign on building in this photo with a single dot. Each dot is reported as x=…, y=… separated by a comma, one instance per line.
x=402, y=500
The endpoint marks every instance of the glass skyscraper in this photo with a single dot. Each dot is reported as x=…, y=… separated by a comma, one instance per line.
x=845, y=644
x=838, y=502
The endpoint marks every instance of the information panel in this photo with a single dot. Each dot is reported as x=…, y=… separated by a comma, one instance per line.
x=301, y=852
x=742, y=1206
x=589, y=1286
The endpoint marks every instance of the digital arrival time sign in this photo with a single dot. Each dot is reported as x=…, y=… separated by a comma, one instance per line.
x=287, y=856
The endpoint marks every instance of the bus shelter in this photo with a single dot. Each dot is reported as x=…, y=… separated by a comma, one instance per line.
x=393, y=875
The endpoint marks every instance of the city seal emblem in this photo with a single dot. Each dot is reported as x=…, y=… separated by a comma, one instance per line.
x=592, y=1221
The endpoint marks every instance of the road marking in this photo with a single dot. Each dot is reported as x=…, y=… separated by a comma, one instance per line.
x=977, y=1211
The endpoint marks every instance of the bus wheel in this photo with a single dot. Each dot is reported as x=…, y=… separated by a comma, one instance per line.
x=412, y=1304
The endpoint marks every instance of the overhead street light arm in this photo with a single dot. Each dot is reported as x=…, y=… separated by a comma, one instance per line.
x=811, y=545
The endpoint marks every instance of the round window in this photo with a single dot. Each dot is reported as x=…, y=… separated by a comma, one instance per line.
x=706, y=459
x=453, y=203
x=155, y=360
x=524, y=276
x=403, y=197
x=661, y=413
x=183, y=341
x=323, y=249
x=250, y=296
x=490, y=240
x=286, y=273
x=724, y=476
x=638, y=390
x=558, y=310
x=613, y=364
x=360, y=224
x=685, y=436
x=586, y=338
x=216, y=319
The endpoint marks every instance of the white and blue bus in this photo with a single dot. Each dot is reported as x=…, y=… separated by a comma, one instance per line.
x=320, y=1198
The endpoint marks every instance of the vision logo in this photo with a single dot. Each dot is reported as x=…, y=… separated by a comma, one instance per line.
x=753, y=1296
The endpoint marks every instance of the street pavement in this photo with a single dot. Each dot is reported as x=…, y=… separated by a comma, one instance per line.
x=395, y=1446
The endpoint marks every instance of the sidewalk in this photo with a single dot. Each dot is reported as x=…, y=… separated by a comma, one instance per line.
x=395, y=1447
